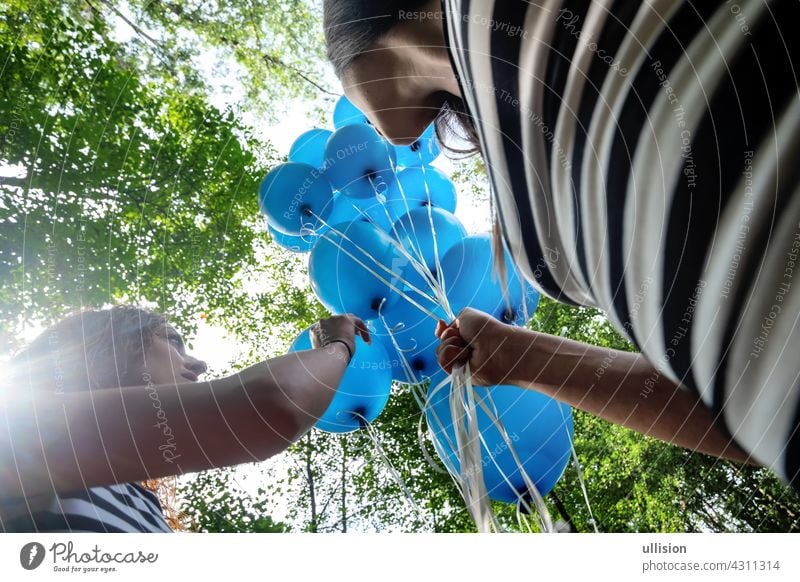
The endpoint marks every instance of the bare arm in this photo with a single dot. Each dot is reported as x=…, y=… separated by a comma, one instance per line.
x=51, y=442
x=621, y=387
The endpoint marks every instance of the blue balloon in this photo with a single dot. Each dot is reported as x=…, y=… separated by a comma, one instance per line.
x=347, y=209
x=295, y=244
x=417, y=187
x=339, y=269
x=413, y=332
x=469, y=282
x=416, y=234
x=309, y=148
x=293, y=195
x=421, y=152
x=539, y=428
x=359, y=162
x=363, y=391
x=395, y=363
x=345, y=113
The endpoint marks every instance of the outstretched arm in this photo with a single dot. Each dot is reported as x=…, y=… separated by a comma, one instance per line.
x=60, y=442
x=621, y=387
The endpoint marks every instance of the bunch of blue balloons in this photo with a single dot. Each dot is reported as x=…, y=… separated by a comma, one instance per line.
x=378, y=221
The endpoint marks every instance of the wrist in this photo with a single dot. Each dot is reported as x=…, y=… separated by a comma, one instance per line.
x=516, y=353
x=531, y=357
x=339, y=348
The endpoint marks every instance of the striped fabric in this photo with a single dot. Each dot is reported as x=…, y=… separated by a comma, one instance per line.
x=644, y=158
x=122, y=508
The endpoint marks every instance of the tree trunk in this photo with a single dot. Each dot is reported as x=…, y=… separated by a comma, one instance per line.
x=313, y=526
x=562, y=510
x=344, y=483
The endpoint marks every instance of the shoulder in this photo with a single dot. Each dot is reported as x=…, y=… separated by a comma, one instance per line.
x=117, y=508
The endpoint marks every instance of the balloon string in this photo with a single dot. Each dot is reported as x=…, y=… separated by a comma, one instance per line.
x=438, y=467
x=393, y=223
x=373, y=259
x=428, y=408
x=546, y=521
x=442, y=299
x=469, y=477
x=465, y=423
x=543, y=513
x=471, y=474
x=438, y=281
x=455, y=475
x=436, y=285
x=378, y=263
x=407, y=369
x=494, y=417
x=579, y=471
x=382, y=201
x=523, y=521
x=439, y=275
x=374, y=437
x=481, y=511
x=478, y=505
x=542, y=509
x=420, y=267
x=376, y=275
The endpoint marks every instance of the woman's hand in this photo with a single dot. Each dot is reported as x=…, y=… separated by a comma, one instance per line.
x=480, y=340
x=339, y=328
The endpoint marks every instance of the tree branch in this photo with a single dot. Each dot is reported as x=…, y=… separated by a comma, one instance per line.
x=272, y=62
x=160, y=54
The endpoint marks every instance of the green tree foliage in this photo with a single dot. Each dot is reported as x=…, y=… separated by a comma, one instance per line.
x=213, y=502
x=127, y=188
x=277, y=45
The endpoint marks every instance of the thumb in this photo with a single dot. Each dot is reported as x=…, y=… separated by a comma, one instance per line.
x=471, y=322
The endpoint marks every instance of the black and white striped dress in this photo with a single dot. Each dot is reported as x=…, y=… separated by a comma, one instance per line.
x=644, y=157
x=121, y=508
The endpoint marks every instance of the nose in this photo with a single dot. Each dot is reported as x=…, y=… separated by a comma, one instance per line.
x=397, y=117
x=403, y=126
x=195, y=365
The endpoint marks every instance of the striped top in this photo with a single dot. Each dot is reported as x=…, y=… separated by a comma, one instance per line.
x=121, y=508
x=644, y=158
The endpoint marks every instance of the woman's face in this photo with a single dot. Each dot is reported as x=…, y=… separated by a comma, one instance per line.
x=402, y=82
x=166, y=362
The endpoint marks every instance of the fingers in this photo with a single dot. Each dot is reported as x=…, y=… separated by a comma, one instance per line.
x=345, y=327
x=314, y=334
x=361, y=328
x=451, y=332
x=472, y=323
x=441, y=326
x=452, y=351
